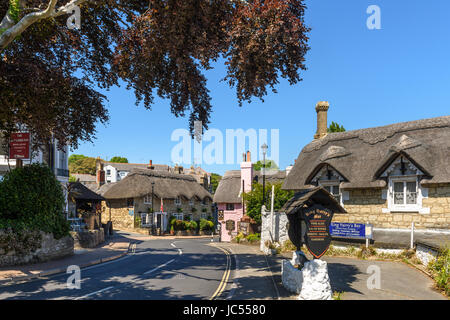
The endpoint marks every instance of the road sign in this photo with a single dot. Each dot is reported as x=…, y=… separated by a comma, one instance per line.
x=19, y=146
x=317, y=236
x=351, y=230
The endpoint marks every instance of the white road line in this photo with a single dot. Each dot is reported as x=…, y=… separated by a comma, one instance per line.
x=180, y=252
x=93, y=293
x=173, y=245
x=159, y=267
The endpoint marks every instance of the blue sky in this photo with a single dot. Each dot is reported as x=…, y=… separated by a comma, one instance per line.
x=370, y=78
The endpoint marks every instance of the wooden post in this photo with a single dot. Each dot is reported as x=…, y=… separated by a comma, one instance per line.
x=19, y=163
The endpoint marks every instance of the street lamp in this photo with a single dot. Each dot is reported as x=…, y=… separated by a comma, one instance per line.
x=264, y=151
x=153, y=211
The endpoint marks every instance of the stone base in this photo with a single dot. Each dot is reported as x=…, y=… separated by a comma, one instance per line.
x=311, y=282
x=316, y=283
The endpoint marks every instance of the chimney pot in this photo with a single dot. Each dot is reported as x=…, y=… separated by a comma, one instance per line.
x=321, y=109
x=249, y=156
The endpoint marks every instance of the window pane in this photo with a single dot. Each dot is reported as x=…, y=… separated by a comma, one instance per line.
x=328, y=188
x=398, y=193
x=411, y=193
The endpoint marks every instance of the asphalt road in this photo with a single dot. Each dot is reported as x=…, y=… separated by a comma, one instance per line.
x=156, y=269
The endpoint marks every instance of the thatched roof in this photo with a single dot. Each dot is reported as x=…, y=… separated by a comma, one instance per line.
x=361, y=155
x=84, y=177
x=229, y=188
x=130, y=166
x=317, y=195
x=138, y=183
x=80, y=192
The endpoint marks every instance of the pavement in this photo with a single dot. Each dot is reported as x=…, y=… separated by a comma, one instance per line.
x=115, y=247
x=258, y=276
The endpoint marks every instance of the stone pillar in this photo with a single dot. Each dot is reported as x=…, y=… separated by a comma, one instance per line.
x=322, y=128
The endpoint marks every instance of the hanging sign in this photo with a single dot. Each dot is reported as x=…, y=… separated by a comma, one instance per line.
x=317, y=237
x=230, y=225
x=19, y=145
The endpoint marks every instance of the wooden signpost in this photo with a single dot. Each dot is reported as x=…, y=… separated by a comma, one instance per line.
x=317, y=236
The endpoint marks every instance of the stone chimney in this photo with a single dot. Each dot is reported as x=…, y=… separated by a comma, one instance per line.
x=246, y=172
x=322, y=125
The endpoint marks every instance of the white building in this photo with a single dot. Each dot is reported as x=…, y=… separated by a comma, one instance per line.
x=57, y=160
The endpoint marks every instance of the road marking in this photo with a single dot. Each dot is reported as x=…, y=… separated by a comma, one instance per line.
x=179, y=250
x=93, y=293
x=225, y=276
x=159, y=267
x=273, y=280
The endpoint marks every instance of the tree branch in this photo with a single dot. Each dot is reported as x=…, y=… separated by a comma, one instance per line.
x=13, y=29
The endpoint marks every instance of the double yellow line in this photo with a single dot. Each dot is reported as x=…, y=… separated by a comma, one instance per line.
x=226, y=275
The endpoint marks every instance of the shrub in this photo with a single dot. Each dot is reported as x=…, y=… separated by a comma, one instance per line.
x=239, y=237
x=192, y=225
x=206, y=225
x=254, y=237
x=32, y=198
x=179, y=225
x=440, y=269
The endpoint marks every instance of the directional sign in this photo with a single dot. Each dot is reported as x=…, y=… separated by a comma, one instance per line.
x=317, y=237
x=351, y=230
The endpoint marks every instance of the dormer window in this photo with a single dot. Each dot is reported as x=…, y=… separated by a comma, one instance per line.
x=404, y=192
x=329, y=179
x=178, y=201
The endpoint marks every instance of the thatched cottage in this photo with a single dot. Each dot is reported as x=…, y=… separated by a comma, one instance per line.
x=389, y=176
x=133, y=198
x=228, y=195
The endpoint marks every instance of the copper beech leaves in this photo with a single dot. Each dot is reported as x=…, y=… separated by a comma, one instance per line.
x=157, y=47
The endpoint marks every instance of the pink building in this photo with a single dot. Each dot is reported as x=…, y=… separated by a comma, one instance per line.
x=228, y=195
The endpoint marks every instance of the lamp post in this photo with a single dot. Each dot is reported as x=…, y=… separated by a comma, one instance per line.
x=153, y=211
x=264, y=151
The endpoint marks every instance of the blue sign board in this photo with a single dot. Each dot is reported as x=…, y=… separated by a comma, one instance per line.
x=348, y=230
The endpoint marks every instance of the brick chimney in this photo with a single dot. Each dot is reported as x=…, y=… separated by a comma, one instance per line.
x=321, y=109
x=100, y=173
x=150, y=165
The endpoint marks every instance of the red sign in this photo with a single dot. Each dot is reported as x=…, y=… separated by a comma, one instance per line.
x=19, y=146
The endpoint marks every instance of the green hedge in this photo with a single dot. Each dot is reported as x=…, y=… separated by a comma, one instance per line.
x=32, y=198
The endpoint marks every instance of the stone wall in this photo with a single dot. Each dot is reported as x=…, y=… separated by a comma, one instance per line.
x=88, y=238
x=120, y=216
x=119, y=213
x=367, y=206
x=31, y=247
x=273, y=228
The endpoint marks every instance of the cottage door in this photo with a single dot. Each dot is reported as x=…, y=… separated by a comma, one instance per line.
x=158, y=220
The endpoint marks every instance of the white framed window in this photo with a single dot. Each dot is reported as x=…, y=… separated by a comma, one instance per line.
x=404, y=194
x=229, y=207
x=178, y=201
x=330, y=180
x=191, y=202
x=178, y=216
x=108, y=172
x=203, y=215
x=333, y=188
x=148, y=199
